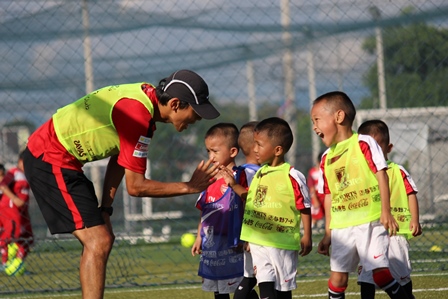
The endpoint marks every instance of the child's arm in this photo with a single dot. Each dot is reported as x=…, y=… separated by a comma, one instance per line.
x=386, y=219
x=306, y=243
x=227, y=174
x=18, y=202
x=196, y=248
x=415, y=227
x=324, y=244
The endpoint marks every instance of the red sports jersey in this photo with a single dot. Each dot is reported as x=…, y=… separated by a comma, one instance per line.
x=131, y=120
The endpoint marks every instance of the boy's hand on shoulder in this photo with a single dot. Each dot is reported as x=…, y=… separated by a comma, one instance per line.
x=389, y=223
x=227, y=175
x=306, y=245
x=324, y=245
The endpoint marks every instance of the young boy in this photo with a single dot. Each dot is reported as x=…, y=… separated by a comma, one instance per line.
x=277, y=202
x=246, y=143
x=404, y=208
x=15, y=223
x=357, y=203
x=221, y=263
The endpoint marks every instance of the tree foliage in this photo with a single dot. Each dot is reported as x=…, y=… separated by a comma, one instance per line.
x=416, y=68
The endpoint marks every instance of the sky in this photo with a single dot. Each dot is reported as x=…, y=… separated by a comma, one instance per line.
x=42, y=49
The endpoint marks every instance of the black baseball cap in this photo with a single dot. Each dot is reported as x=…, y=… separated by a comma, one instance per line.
x=188, y=86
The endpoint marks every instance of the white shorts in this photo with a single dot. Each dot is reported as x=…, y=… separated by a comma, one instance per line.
x=248, y=265
x=275, y=265
x=399, y=262
x=366, y=244
x=222, y=286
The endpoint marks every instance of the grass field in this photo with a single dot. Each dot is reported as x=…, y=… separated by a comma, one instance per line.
x=426, y=286
x=167, y=270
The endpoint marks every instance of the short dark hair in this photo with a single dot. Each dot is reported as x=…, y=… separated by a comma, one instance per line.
x=339, y=100
x=246, y=137
x=278, y=130
x=376, y=127
x=227, y=130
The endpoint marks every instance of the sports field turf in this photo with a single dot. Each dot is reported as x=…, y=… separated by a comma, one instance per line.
x=426, y=286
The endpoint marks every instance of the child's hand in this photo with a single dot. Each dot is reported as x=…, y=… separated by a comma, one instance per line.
x=415, y=228
x=324, y=245
x=389, y=223
x=196, y=248
x=306, y=246
x=246, y=246
x=227, y=174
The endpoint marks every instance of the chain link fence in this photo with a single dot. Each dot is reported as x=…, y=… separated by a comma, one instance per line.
x=260, y=58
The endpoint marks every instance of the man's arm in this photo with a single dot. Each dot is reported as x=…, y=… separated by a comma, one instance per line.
x=137, y=185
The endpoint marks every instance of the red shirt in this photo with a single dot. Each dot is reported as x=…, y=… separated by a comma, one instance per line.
x=131, y=120
x=16, y=181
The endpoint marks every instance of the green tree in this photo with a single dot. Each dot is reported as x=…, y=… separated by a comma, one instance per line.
x=416, y=67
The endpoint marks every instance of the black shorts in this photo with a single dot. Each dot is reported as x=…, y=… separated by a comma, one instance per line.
x=65, y=197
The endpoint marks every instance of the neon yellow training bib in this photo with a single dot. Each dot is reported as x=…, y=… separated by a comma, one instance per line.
x=355, y=195
x=270, y=215
x=399, y=202
x=85, y=127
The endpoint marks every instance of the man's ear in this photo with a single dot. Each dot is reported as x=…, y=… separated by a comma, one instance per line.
x=174, y=104
x=233, y=152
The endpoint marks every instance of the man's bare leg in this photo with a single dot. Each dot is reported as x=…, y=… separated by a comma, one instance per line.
x=97, y=243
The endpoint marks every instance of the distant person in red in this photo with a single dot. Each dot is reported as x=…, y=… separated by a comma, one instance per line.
x=15, y=224
x=317, y=199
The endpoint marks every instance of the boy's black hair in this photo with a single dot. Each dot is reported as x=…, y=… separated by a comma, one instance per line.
x=339, y=100
x=375, y=127
x=245, y=138
x=278, y=130
x=227, y=130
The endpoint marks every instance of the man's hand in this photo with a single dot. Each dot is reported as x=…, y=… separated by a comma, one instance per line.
x=203, y=176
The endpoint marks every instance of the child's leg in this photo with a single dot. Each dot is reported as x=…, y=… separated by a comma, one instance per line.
x=246, y=289
x=337, y=284
x=366, y=283
x=267, y=290
x=221, y=296
x=284, y=295
x=367, y=290
x=408, y=289
x=386, y=282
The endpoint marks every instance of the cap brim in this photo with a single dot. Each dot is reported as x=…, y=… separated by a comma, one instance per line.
x=206, y=110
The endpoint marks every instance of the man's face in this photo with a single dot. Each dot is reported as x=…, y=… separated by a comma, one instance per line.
x=182, y=118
